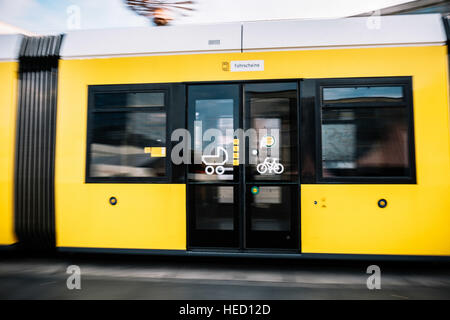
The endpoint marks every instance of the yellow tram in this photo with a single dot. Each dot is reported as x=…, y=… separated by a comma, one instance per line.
x=271, y=138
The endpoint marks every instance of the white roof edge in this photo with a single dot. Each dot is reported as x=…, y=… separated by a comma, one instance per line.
x=144, y=54
x=401, y=30
x=349, y=32
x=152, y=40
x=10, y=47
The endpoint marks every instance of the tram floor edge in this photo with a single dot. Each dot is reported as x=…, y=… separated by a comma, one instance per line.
x=255, y=254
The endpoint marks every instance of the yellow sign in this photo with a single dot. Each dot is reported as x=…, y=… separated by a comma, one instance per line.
x=225, y=66
x=156, y=152
x=236, y=152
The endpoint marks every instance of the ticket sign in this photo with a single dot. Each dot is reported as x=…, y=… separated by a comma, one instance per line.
x=247, y=65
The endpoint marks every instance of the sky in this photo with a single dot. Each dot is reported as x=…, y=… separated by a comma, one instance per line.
x=57, y=16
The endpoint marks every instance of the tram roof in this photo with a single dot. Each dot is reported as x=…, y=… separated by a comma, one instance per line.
x=258, y=36
x=401, y=30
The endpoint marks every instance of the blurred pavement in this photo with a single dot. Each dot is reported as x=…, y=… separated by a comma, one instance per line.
x=138, y=277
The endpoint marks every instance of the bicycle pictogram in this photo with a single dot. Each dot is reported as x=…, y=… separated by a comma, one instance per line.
x=272, y=165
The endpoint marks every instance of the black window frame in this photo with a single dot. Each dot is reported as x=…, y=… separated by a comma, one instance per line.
x=406, y=84
x=128, y=88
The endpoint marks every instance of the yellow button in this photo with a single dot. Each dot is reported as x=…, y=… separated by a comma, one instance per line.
x=235, y=162
x=236, y=148
x=236, y=155
x=236, y=142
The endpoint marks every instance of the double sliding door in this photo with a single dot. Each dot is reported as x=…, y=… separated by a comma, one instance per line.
x=243, y=187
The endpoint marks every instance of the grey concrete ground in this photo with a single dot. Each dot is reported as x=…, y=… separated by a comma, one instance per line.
x=131, y=277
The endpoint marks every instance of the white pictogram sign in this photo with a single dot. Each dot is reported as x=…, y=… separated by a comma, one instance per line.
x=270, y=164
x=211, y=161
x=268, y=141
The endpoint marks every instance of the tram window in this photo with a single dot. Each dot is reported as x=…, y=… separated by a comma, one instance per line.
x=127, y=136
x=365, y=132
x=271, y=110
x=129, y=100
x=214, y=207
x=363, y=94
x=270, y=209
x=213, y=112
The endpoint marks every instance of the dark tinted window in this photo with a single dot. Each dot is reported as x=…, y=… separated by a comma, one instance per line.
x=212, y=114
x=129, y=140
x=363, y=94
x=214, y=207
x=365, y=140
x=213, y=215
x=129, y=100
x=270, y=208
x=271, y=216
x=271, y=114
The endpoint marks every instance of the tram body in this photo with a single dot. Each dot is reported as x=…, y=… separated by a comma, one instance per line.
x=8, y=101
x=331, y=198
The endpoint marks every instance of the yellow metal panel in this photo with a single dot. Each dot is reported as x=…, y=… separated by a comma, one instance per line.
x=415, y=221
x=347, y=219
x=8, y=80
x=150, y=216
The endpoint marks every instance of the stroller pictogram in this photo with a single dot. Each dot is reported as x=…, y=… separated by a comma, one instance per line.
x=212, y=161
x=271, y=165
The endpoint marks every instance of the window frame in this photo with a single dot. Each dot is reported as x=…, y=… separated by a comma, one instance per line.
x=406, y=84
x=127, y=88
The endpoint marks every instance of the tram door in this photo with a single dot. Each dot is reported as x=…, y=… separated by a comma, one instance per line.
x=243, y=187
